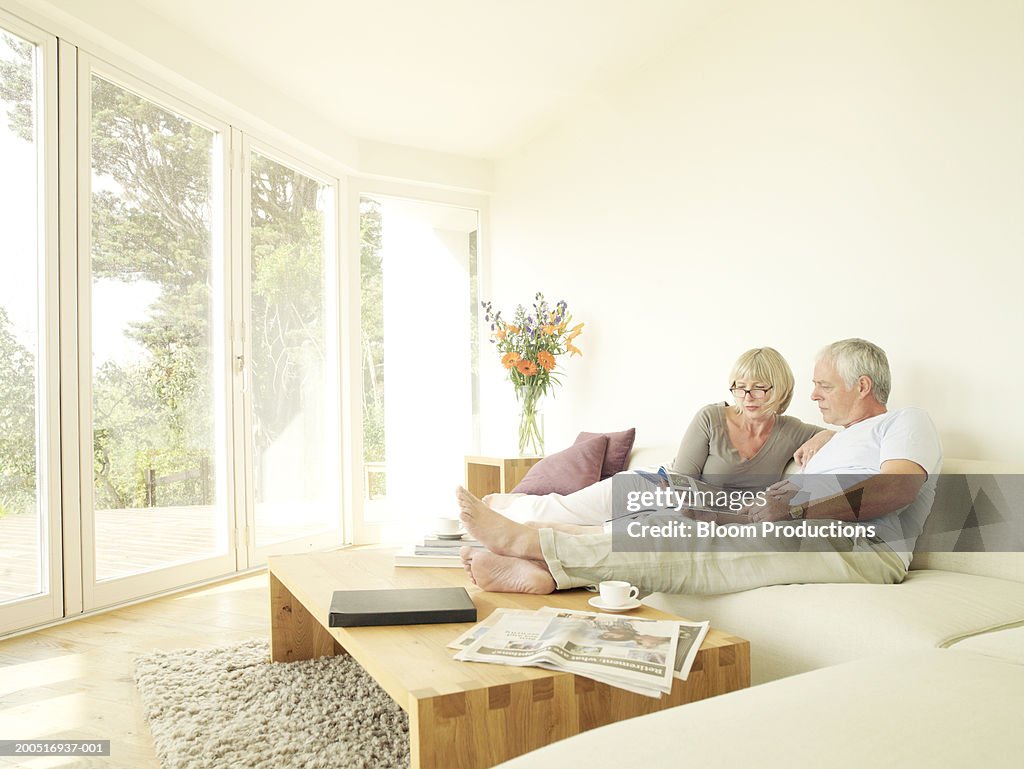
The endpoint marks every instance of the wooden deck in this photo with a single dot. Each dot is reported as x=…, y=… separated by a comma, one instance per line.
x=128, y=542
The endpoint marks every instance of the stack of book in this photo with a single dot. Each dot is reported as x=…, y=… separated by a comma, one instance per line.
x=436, y=551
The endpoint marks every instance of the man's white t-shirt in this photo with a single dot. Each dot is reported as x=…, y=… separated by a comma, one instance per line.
x=861, y=449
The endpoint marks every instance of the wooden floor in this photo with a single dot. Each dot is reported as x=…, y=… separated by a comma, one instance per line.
x=74, y=681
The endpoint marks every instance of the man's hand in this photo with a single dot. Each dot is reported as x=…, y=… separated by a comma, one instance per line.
x=777, y=503
x=811, y=446
x=895, y=487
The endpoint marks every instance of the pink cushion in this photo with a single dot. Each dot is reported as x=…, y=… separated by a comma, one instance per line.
x=617, y=456
x=567, y=471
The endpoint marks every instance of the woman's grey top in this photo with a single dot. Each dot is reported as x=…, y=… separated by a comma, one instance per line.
x=706, y=451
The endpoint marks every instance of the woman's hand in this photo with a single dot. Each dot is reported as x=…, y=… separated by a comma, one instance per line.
x=811, y=446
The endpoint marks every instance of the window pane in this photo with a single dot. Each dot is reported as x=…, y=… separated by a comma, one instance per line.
x=294, y=427
x=418, y=279
x=154, y=293
x=21, y=520
x=372, y=335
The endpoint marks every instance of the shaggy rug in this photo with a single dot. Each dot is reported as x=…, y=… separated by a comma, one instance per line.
x=232, y=707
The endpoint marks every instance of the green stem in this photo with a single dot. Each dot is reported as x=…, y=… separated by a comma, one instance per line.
x=531, y=437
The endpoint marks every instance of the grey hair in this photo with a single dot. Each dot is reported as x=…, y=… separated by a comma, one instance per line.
x=854, y=358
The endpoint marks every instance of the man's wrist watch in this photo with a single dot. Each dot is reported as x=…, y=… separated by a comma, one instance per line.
x=797, y=511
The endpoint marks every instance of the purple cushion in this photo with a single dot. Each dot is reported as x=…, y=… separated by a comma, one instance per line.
x=567, y=471
x=617, y=456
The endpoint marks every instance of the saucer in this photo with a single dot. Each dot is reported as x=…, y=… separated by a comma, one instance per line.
x=456, y=535
x=631, y=604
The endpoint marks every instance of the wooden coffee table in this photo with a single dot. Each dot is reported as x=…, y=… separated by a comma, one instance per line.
x=466, y=715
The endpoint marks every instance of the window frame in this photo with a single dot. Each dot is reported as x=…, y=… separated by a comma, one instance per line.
x=49, y=603
x=246, y=145
x=386, y=528
x=97, y=594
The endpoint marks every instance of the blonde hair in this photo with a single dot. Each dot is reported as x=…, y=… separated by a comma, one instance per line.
x=766, y=364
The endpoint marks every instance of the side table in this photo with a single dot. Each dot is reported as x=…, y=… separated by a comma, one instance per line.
x=496, y=475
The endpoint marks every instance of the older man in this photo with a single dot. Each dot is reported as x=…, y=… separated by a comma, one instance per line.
x=896, y=454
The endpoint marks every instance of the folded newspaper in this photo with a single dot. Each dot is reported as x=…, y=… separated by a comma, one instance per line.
x=640, y=655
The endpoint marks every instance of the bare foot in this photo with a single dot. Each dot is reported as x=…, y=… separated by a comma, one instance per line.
x=503, y=574
x=466, y=554
x=496, y=532
x=568, y=528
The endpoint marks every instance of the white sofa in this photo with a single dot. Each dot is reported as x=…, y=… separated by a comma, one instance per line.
x=929, y=672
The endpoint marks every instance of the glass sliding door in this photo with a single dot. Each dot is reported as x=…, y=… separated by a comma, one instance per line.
x=294, y=432
x=156, y=302
x=176, y=327
x=418, y=281
x=30, y=589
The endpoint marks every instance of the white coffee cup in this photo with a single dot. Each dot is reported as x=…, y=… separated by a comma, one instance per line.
x=615, y=593
x=447, y=525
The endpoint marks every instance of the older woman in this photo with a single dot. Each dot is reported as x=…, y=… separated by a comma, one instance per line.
x=744, y=446
x=747, y=444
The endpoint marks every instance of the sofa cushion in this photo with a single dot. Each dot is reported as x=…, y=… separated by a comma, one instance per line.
x=796, y=628
x=1006, y=645
x=566, y=471
x=999, y=565
x=617, y=455
x=935, y=708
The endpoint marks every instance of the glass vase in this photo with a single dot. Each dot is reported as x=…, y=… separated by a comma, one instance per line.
x=531, y=424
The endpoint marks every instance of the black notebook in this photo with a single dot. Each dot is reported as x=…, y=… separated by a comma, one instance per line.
x=415, y=606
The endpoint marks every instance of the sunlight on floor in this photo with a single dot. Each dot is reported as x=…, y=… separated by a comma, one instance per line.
x=254, y=583
x=23, y=675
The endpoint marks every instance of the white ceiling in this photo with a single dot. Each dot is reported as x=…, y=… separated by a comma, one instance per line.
x=470, y=77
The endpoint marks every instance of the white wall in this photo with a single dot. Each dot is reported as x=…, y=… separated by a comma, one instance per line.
x=790, y=174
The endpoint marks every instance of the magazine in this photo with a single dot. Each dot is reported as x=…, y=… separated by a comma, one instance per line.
x=434, y=551
x=640, y=655
x=693, y=494
x=411, y=558
x=432, y=540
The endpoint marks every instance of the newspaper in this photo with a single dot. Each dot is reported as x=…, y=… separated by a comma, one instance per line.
x=640, y=655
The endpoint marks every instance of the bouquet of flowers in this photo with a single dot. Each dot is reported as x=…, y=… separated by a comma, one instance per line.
x=530, y=346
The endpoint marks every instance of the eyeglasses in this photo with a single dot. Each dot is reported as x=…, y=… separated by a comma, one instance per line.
x=757, y=393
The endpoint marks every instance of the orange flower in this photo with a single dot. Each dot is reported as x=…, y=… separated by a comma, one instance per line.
x=572, y=349
x=548, y=330
x=512, y=329
x=546, y=359
x=510, y=359
x=499, y=334
x=527, y=367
